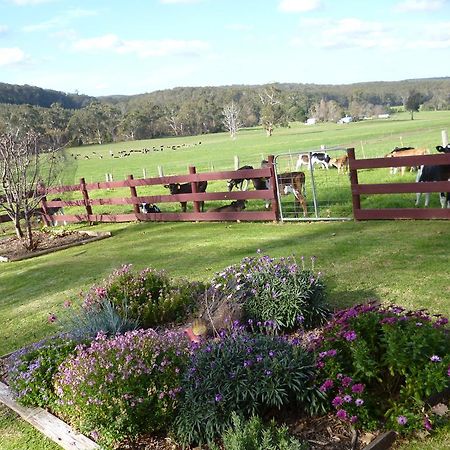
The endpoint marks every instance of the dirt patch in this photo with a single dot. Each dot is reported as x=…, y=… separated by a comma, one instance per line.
x=12, y=249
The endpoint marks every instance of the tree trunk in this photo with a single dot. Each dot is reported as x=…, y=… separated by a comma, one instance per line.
x=30, y=245
x=17, y=227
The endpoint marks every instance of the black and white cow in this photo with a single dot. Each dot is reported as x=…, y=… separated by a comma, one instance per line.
x=147, y=208
x=320, y=158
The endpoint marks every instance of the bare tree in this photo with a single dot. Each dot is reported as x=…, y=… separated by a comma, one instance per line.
x=27, y=166
x=232, y=121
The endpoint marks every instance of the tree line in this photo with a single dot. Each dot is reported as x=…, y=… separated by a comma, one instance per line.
x=79, y=120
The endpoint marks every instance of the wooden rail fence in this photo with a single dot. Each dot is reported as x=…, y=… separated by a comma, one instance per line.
x=396, y=188
x=135, y=199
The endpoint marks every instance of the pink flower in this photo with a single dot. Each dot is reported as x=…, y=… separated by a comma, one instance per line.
x=402, y=420
x=51, y=318
x=341, y=414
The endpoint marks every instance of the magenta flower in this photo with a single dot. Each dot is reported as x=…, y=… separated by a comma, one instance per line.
x=51, y=318
x=341, y=414
x=427, y=424
x=346, y=381
x=337, y=401
x=358, y=388
x=328, y=384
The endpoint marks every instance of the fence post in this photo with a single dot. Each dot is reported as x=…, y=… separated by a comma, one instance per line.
x=85, y=194
x=356, y=198
x=273, y=186
x=444, y=138
x=192, y=171
x=134, y=195
x=45, y=211
x=236, y=162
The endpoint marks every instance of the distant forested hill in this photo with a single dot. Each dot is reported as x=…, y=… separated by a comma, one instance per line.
x=31, y=95
x=184, y=111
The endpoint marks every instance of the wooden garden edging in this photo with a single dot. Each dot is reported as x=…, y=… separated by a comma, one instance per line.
x=134, y=199
x=54, y=428
x=396, y=188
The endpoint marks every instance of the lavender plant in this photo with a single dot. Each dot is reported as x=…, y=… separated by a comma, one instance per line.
x=149, y=296
x=253, y=434
x=275, y=290
x=397, y=358
x=246, y=373
x=119, y=387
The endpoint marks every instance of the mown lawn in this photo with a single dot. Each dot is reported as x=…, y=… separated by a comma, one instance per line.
x=403, y=262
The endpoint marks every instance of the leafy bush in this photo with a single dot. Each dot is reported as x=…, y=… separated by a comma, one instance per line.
x=31, y=372
x=254, y=435
x=149, y=296
x=389, y=359
x=245, y=373
x=275, y=290
x=116, y=388
x=99, y=317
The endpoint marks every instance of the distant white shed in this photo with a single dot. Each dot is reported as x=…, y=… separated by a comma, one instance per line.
x=311, y=121
x=346, y=119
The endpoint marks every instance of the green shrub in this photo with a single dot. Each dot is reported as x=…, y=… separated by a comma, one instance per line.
x=149, y=296
x=31, y=370
x=119, y=387
x=278, y=291
x=254, y=435
x=245, y=373
x=396, y=360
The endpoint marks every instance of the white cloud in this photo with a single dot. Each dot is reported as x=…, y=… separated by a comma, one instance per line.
x=61, y=20
x=420, y=5
x=142, y=48
x=344, y=33
x=299, y=5
x=10, y=56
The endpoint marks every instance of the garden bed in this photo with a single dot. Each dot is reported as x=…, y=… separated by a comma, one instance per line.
x=11, y=248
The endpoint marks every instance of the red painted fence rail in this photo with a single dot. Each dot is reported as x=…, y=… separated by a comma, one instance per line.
x=396, y=188
x=135, y=199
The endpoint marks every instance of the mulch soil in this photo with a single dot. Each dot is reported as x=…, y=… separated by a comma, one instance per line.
x=11, y=247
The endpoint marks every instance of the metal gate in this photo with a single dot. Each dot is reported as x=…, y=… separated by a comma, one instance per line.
x=325, y=194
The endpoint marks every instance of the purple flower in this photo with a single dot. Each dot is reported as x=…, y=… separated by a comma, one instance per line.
x=402, y=420
x=353, y=419
x=268, y=372
x=435, y=358
x=346, y=381
x=358, y=388
x=427, y=424
x=328, y=384
x=337, y=401
x=350, y=335
x=347, y=398
x=341, y=414
x=218, y=398
x=359, y=402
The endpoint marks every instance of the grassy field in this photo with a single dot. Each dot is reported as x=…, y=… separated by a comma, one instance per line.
x=402, y=262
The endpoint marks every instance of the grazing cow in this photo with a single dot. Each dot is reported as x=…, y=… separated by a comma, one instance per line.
x=186, y=188
x=405, y=151
x=239, y=182
x=147, y=208
x=294, y=183
x=236, y=206
x=320, y=158
x=340, y=163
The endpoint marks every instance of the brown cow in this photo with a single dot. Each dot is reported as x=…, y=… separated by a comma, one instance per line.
x=294, y=183
x=405, y=151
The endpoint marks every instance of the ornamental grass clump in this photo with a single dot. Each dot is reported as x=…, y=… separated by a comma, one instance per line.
x=246, y=373
x=31, y=370
x=273, y=290
x=119, y=387
x=380, y=365
x=149, y=296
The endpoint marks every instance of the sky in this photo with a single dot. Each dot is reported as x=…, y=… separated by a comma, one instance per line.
x=125, y=47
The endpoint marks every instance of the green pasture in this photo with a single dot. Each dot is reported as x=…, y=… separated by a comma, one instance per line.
x=403, y=262
x=370, y=138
